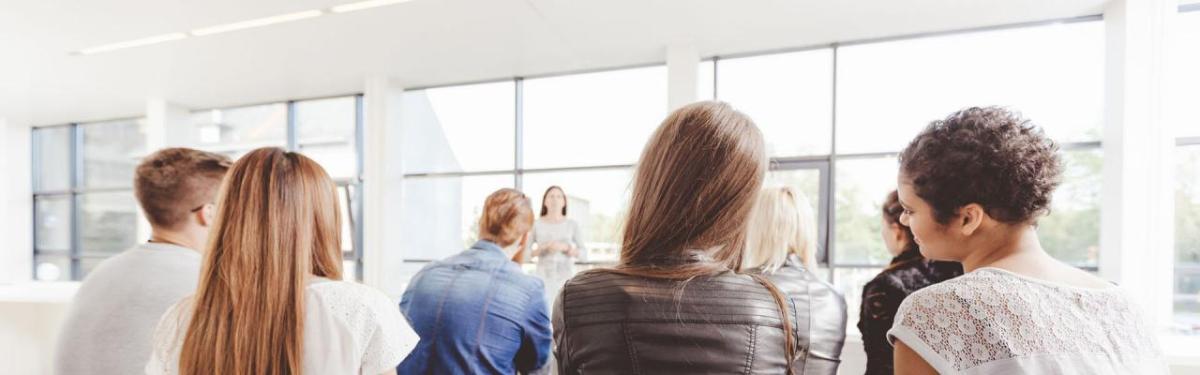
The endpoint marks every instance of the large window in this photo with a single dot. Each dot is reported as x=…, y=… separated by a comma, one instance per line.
x=328, y=130
x=834, y=119
x=581, y=132
x=84, y=208
x=591, y=119
x=1186, y=80
x=850, y=109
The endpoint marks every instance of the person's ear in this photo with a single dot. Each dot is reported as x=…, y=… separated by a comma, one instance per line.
x=206, y=214
x=970, y=218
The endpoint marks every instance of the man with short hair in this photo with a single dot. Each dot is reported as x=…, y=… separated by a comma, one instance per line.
x=111, y=322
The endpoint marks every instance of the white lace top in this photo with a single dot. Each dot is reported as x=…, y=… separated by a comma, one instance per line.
x=992, y=321
x=349, y=328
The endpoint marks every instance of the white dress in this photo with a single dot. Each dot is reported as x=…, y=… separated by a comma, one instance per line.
x=993, y=321
x=349, y=328
x=556, y=268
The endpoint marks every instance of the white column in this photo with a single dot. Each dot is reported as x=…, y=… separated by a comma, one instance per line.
x=16, y=202
x=1137, y=233
x=167, y=125
x=382, y=185
x=682, y=63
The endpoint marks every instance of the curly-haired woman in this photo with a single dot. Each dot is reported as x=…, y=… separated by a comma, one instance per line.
x=973, y=186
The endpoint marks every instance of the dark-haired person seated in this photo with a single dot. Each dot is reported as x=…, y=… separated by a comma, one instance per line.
x=477, y=312
x=110, y=326
x=908, y=272
x=973, y=186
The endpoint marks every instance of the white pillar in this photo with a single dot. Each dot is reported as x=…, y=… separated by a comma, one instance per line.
x=382, y=185
x=682, y=62
x=16, y=202
x=167, y=125
x=1137, y=220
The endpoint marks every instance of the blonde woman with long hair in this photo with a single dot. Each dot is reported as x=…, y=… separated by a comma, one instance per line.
x=270, y=299
x=674, y=304
x=782, y=247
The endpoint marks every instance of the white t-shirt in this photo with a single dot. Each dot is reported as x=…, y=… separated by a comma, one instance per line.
x=349, y=328
x=993, y=321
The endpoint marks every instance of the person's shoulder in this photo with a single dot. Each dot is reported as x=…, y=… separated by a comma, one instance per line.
x=955, y=298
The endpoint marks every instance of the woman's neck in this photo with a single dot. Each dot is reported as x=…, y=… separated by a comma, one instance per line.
x=1007, y=246
x=554, y=217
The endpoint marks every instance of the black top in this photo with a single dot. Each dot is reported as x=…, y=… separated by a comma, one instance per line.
x=881, y=298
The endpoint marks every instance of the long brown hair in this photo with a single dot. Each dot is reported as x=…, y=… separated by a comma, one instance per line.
x=694, y=189
x=277, y=223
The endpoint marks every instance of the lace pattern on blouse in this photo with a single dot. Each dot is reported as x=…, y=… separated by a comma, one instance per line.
x=992, y=315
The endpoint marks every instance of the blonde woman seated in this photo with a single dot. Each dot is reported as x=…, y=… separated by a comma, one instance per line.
x=270, y=299
x=781, y=247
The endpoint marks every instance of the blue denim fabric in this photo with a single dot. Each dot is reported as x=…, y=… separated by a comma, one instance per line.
x=476, y=313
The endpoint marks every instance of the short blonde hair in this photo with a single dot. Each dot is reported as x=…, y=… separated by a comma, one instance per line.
x=782, y=225
x=507, y=215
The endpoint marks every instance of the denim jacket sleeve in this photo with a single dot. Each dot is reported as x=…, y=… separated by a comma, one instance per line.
x=535, y=336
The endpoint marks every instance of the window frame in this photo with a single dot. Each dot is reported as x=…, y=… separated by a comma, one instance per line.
x=352, y=187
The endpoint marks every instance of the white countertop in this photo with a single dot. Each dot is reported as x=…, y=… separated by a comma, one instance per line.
x=38, y=292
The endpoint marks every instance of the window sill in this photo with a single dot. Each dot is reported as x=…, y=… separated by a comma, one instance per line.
x=1181, y=350
x=38, y=292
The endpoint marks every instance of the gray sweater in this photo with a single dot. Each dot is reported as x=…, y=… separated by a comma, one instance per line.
x=110, y=326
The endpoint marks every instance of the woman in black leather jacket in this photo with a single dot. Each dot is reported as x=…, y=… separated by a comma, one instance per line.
x=781, y=246
x=907, y=273
x=673, y=304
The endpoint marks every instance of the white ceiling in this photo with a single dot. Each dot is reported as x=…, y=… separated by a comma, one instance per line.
x=421, y=43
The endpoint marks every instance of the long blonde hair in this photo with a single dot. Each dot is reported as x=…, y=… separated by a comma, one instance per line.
x=781, y=225
x=277, y=223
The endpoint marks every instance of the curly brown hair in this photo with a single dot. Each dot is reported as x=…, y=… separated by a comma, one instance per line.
x=990, y=156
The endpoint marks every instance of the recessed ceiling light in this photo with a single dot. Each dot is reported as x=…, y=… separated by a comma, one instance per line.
x=364, y=5
x=132, y=43
x=256, y=22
